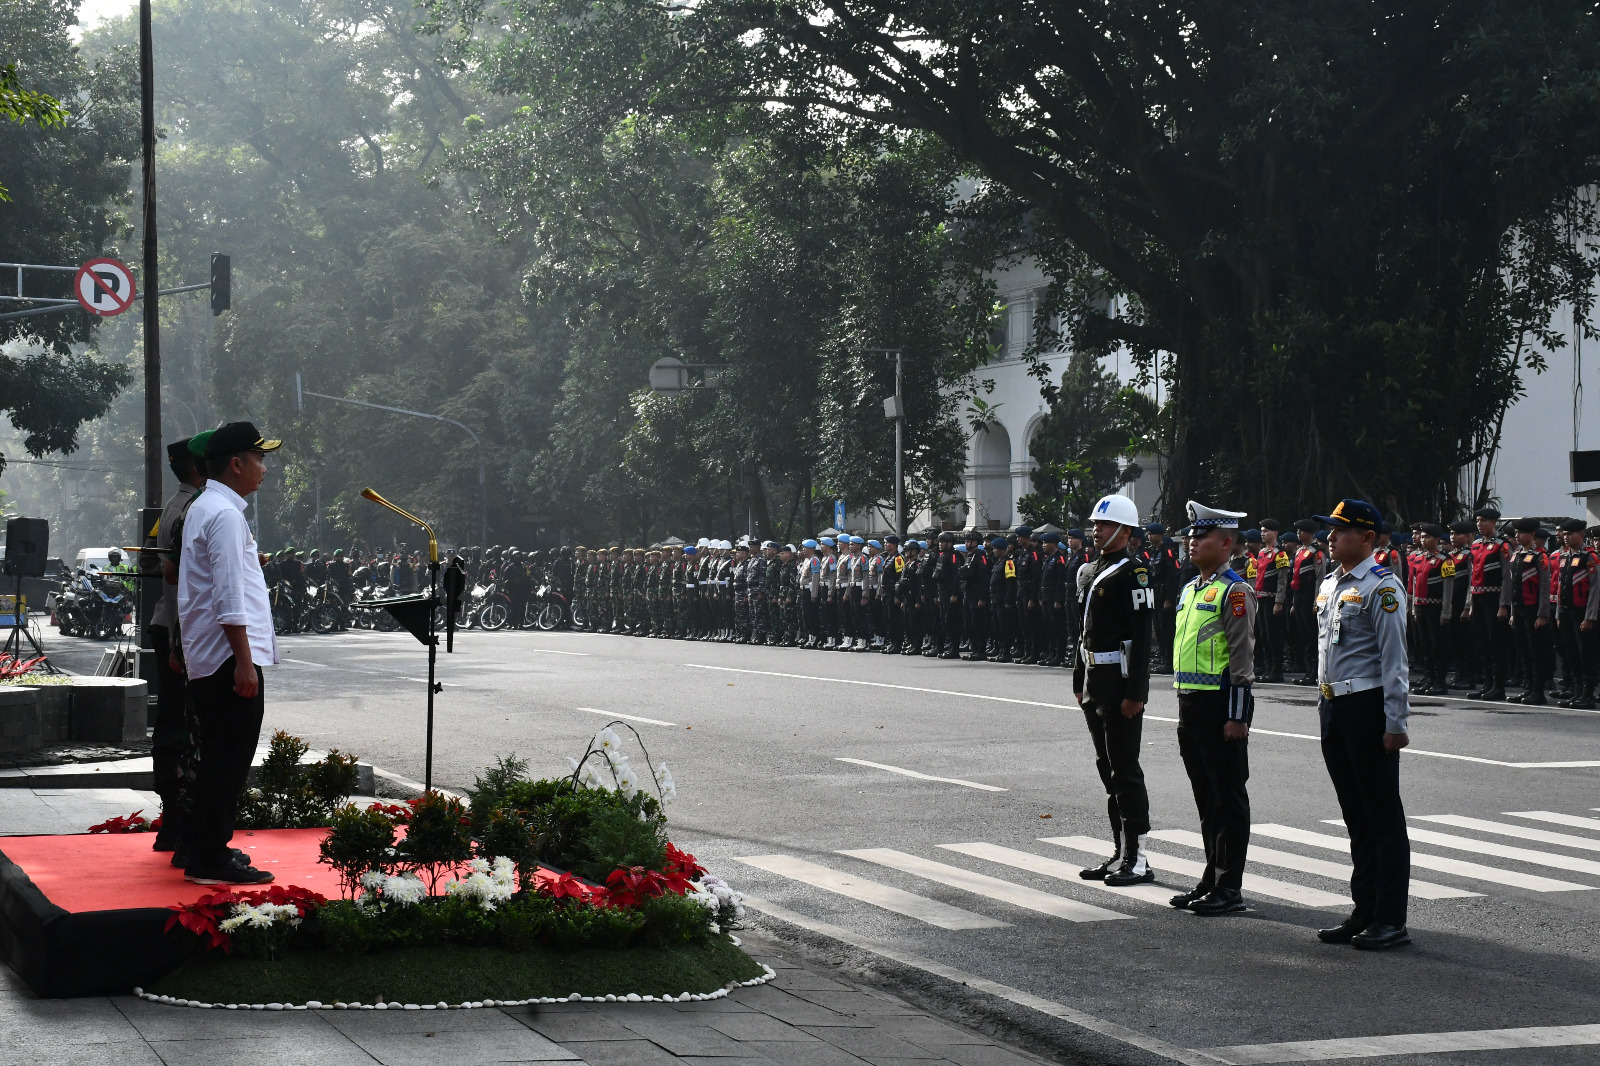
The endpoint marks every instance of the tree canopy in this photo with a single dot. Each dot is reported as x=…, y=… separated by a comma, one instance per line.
x=1282, y=195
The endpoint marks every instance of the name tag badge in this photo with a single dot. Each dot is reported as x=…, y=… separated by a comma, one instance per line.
x=1350, y=596
x=1205, y=607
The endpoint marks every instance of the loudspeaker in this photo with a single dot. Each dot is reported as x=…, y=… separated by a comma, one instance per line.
x=27, y=544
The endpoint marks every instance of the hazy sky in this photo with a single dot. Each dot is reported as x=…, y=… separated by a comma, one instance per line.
x=91, y=12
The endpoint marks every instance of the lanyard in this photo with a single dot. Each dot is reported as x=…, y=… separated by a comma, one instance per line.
x=1088, y=598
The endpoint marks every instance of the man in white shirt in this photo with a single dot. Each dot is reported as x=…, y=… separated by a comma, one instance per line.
x=225, y=621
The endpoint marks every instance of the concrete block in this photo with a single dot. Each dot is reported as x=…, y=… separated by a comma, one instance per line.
x=55, y=713
x=19, y=718
x=108, y=710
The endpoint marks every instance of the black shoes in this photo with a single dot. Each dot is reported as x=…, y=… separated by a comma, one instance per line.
x=1498, y=694
x=1344, y=932
x=1130, y=874
x=165, y=841
x=1380, y=937
x=1183, y=900
x=1099, y=873
x=230, y=870
x=1218, y=901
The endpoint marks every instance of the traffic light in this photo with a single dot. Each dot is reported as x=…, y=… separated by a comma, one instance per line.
x=221, y=283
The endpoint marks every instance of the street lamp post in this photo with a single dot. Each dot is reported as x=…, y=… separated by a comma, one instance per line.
x=152, y=288
x=894, y=408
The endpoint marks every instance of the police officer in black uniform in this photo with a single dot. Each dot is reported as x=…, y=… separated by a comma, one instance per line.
x=1112, y=682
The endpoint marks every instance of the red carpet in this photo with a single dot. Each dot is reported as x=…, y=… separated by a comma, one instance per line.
x=104, y=872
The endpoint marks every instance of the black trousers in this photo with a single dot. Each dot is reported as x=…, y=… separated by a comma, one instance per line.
x=1463, y=647
x=1116, y=750
x=1269, y=640
x=951, y=620
x=229, y=727
x=1303, y=627
x=1218, y=770
x=1489, y=636
x=1366, y=779
x=1430, y=642
x=978, y=627
x=171, y=734
x=1002, y=620
x=1534, y=644
x=1577, y=649
x=1166, y=631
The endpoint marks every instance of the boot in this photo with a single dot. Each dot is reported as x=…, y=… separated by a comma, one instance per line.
x=1135, y=867
x=1099, y=873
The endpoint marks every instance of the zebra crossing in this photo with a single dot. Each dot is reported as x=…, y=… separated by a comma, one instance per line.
x=1294, y=874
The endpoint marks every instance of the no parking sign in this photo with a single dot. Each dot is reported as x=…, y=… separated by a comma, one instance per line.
x=104, y=287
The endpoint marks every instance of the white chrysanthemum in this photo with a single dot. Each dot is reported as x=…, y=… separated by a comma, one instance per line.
x=488, y=884
x=406, y=890
x=373, y=880
x=504, y=868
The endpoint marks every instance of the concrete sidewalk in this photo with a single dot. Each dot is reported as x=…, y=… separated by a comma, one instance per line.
x=802, y=1018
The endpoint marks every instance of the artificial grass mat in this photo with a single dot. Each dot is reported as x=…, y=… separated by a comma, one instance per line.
x=457, y=974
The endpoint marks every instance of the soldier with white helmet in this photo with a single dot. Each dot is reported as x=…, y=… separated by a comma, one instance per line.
x=1111, y=682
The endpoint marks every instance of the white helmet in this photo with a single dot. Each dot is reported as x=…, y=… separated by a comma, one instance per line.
x=1115, y=508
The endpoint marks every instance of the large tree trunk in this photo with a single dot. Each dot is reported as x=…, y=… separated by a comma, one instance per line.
x=756, y=497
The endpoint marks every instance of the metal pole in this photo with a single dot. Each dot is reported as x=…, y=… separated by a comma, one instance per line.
x=433, y=655
x=899, y=447
x=151, y=285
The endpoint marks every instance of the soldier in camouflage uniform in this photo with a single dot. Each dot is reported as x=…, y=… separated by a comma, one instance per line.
x=787, y=597
x=756, y=584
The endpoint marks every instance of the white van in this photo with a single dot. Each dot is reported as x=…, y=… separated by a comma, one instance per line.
x=93, y=559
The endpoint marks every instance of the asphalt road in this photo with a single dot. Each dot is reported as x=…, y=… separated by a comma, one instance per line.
x=759, y=742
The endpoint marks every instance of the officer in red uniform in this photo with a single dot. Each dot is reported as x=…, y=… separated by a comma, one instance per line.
x=1271, y=578
x=1490, y=554
x=1306, y=571
x=1577, y=606
x=1431, y=577
x=1454, y=619
x=1526, y=591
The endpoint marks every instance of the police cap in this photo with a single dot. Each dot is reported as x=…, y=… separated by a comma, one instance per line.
x=1491, y=513
x=1572, y=525
x=1431, y=529
x=1353, y=514
x=1306, y=525
x=1463, y=525
x=1272, y=524
x=179, y=450
x=1526, y=525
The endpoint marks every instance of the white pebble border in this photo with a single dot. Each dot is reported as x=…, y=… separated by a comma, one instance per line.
x=631, y=997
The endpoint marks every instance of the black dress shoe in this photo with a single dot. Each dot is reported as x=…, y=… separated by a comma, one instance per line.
x=1183, y=900
x=1219, y=901
x=1344, y=932
x=1494, y=694
x=1128, y=874
x=1379, y=937
x=1098, y=873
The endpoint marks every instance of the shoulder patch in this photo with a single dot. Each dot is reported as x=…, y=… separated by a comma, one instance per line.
x=1388, y=600
x=1142, y=577
x=1236, y=602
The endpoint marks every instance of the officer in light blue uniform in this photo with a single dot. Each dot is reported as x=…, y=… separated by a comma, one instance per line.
x=1364, y=678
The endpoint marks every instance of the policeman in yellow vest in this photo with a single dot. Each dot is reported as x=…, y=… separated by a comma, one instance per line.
x=1213, y=663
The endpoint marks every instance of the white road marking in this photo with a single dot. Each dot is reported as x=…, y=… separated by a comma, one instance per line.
x=629, y=717
x=1500, y=851
x=1441, y=863
x=1047, y=1007
x=552, y=651
x=1253, y=883
x=1308, y=865
x=1507, y=829
x=884, y=684
x=1368, y=1047
x=897, y=900
x=302, y=662
x=1066, y=871
x=991, y=887
x=923, y=777
x=1558, y=819
x=1152, y=717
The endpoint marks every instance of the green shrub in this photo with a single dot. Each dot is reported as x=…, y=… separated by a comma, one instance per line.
x=359, y=839
x=670, y=920
x=349, y=927
x=289, y=795
x=577, y=925
x=438, y=836
x=524, y=922
x=619, y=835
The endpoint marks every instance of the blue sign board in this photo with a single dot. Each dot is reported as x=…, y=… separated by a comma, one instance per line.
x=838, y=515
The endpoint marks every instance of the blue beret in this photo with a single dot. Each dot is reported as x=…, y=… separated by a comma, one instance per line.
x=1156, y=527
x=874, y=544
x=826, y=542
x=892, y=538
x=690, y=549
x=1050, y=538
x=997, y=543
x=808, y=543
x=1075, y=532
x=962, y=548
x=857, y=540
x=1024, y=531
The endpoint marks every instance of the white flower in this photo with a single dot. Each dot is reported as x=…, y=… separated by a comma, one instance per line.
x=627, y=781
x=488, y=884
x=615, y=757
x=608, y=741
x=573, y=763
x=589, y=777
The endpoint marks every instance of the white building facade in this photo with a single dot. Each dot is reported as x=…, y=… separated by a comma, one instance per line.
x=1558, y=412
